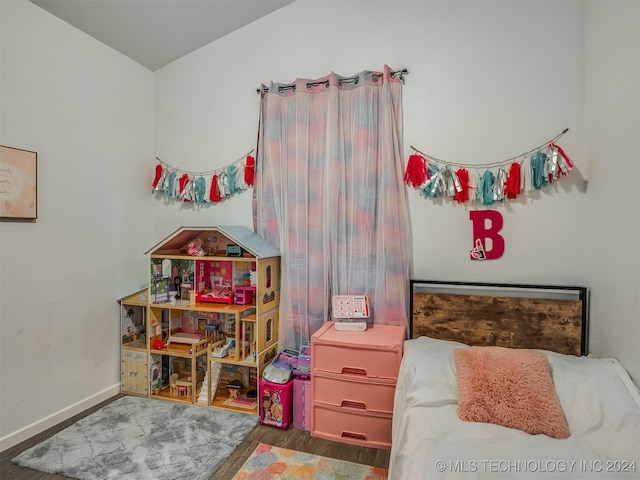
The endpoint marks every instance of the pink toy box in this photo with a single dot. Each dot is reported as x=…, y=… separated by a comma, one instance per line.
x=276, y=403
x=301, y=403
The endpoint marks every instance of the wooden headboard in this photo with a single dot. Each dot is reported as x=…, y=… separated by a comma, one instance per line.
x=518, y=316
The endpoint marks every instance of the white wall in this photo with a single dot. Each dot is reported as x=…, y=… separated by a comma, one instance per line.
x=487, y=81
x=482, y=87
x=485, y=84
x=88, y=112
x=612, y=236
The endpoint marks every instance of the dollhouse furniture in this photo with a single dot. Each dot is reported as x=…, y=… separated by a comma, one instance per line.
x=477, y=344
x=234, y=386
x=173, y=386
x=216, y=294
x=212, y=331
x=353, y=380
x=184, y=387
x=188, y=338
x=245, y=294
x=199, y=327
x=134, y=356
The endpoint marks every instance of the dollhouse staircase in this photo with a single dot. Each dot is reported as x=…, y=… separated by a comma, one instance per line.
x=214, y=369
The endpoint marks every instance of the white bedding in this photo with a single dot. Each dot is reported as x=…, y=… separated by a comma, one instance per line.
x=601, y=405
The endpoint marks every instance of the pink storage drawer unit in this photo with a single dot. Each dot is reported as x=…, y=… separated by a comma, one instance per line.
x=353, y=380
x=276, y=403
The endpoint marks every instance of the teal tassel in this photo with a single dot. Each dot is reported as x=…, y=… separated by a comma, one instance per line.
x=485, y=188
x=539, y=179
x=200, y=186
x=431, y=189
x=232, y=172
x=171, y=186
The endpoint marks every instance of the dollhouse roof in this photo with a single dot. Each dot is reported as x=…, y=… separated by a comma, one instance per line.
x=138, y=297
x=242, y=236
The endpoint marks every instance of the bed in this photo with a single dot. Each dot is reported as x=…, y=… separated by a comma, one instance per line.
x=511, y=360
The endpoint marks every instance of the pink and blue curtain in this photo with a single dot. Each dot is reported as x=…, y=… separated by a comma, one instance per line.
x=329, y=193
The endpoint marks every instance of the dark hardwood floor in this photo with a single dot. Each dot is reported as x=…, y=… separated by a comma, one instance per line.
x=293, y=439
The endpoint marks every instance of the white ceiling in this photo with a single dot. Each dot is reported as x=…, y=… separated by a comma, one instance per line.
x=154, y=33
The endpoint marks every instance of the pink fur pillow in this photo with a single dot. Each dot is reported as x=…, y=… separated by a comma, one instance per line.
x=509, y=387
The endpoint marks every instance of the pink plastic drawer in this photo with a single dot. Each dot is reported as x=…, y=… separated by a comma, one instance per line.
x=348, y=393
x=356, y=361
x=375, y=353
x=339, y=425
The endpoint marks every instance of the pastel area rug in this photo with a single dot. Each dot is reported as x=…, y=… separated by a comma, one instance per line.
x=270, y=463
x=136, y=438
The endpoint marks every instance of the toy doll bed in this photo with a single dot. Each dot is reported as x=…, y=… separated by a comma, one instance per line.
x=217, y=294
x=197, y=341
x=184, y=337
x=530, y=412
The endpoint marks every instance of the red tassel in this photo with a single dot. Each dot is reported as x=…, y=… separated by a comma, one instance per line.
x=463, y=195
x=249, y=170
x=512, y=187
x=158, y=175
x=564, y=155
x=214, y=194
x=182, y=182
x=416, y=171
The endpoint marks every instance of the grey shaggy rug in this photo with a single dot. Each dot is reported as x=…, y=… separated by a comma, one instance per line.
x=139, y=438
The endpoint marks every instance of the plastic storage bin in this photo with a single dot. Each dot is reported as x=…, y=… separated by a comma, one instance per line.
x=276, y=404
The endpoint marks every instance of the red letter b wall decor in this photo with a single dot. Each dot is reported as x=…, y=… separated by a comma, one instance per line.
x=487, y=243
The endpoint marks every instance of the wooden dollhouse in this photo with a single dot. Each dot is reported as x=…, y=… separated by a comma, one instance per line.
x=212, y=316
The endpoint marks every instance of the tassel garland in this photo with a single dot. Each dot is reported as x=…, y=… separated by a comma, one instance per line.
x=214, y=196
x=462, y=195
x=199, y=190
x=485, y=188
x=249, y=170
x=539, y=170
x=416, y=172
x=512, y=188
x=159, y=173
x=495, y=181
x=204, y=187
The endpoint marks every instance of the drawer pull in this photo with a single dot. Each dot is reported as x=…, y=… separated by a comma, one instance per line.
x=352, y=404
x=354, y=371
x=356, y=436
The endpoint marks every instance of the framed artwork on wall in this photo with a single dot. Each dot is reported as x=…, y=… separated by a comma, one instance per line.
x=18, y=184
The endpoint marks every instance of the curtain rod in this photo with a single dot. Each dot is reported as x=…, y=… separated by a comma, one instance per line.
x=399, y=73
